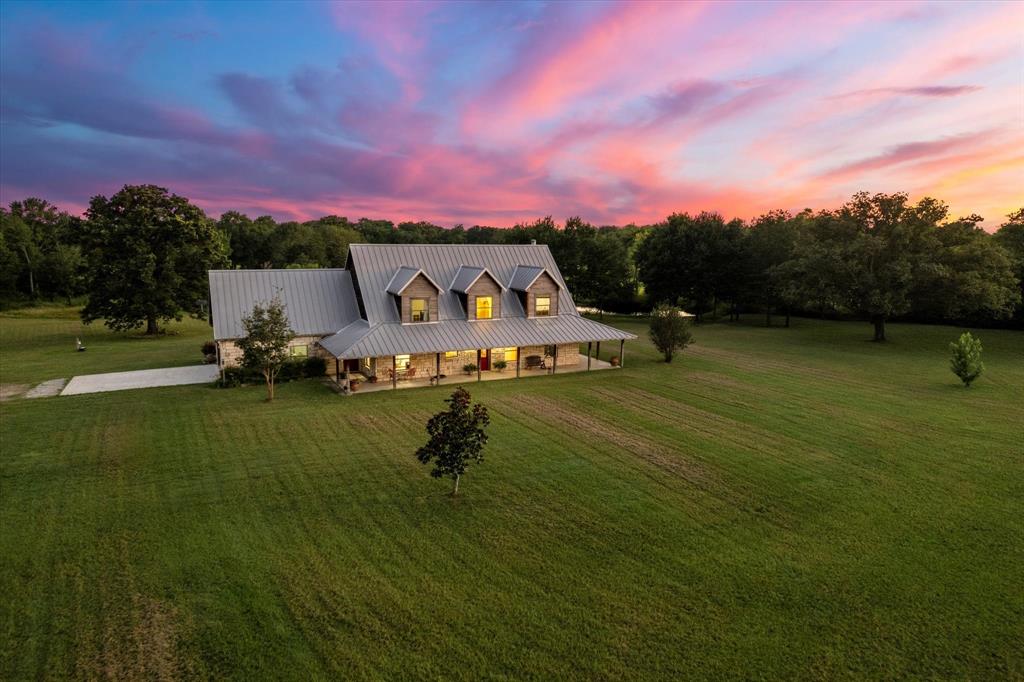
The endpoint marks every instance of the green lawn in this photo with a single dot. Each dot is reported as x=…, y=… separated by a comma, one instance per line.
x=777, y=503
x=39, y=343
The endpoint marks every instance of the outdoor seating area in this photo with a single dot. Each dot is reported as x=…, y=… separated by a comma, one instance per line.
x=408, y=374
x=536, y=362
x=413, y=379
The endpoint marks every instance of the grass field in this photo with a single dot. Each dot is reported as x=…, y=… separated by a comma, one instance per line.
x=39, y=343
x=775, y=504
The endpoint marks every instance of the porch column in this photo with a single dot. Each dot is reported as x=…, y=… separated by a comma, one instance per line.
x=589, y=344
x=597, y=351
x=394, y=371
x=518, y=353
x=437, y=370
x=337, y=371
x=622, y=352
x=478, y=364
x=554, y=359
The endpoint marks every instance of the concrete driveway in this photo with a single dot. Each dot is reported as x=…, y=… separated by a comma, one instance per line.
x=143, y=378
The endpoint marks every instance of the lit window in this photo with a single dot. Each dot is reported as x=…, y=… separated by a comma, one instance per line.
x=449, y=354
x=298, y=351
x=510, y=354
x=402, y=361
x=542, y=306
x=420, y=312
x=483, y=307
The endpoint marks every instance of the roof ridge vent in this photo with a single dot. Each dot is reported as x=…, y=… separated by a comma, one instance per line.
x=533, y=242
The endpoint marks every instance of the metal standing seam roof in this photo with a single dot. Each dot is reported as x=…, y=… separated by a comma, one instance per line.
x=322, y=302
x=361, y=340
x=467, y=276
x=317, y=301
x=525, y=275
x=376, y=265
x=404, y=276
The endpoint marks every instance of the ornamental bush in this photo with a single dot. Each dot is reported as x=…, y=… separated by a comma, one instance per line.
x=310, y=368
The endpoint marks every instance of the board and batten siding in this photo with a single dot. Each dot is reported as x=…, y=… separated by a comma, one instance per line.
x=544, y=286
x=419, y=287
x=485, y=286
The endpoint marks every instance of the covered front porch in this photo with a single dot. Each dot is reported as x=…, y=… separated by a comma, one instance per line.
x=457, y=367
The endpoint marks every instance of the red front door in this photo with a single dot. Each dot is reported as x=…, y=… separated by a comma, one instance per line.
x=485, y=359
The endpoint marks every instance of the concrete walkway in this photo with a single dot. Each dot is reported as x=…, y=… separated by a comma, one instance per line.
x=143, y=378
x=47, y=389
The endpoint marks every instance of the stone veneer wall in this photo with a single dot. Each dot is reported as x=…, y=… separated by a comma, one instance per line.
x=568, y=354
x=231, y=354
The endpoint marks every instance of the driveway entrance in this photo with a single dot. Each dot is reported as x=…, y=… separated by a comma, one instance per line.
x=143, y=378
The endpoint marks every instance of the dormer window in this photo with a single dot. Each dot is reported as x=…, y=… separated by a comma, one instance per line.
x=419, y=309
x=415, y=295
x=483, y=307
x=537, y=290
x=478, y=291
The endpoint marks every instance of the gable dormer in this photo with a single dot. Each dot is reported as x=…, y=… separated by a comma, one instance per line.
x=479, y=292
x=537, y=290
x=415, y=295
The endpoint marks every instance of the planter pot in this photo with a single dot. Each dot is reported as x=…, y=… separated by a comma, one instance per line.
x=615, y=361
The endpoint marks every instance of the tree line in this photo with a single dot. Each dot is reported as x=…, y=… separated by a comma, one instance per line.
x=140, y=256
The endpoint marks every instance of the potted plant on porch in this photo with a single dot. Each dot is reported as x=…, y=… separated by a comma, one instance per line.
x=469, y=368
x=500, y=365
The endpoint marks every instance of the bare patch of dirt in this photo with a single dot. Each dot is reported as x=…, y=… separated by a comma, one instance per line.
x=714, y=379
x=664, y=458
x=154, y=640
x=370, y=422
x=768, y=365
x=712, y=426
x=145, y=648
x=9, y=391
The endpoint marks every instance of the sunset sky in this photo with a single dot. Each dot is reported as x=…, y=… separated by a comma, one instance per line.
x=496, y=113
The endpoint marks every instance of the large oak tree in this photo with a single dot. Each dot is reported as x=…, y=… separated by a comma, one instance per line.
x=149, y=252
x=696, y=259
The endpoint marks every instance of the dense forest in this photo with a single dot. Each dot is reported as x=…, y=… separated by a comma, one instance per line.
x=140, y=256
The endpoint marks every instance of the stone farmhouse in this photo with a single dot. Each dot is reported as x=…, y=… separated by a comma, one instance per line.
x=420, y=313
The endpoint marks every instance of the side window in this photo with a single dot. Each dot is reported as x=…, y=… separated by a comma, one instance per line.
x=298, y=351
x=420, y=310
x=542, y=306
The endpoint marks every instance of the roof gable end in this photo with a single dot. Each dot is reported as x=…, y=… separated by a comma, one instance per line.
x=404, y=276
x=524, y=277
x=468, y=275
